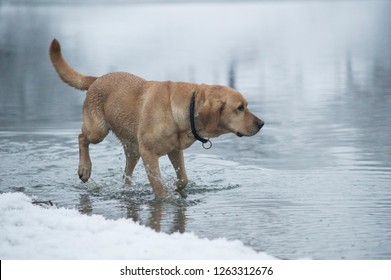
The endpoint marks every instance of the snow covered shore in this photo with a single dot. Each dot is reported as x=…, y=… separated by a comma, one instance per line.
x=28, y=231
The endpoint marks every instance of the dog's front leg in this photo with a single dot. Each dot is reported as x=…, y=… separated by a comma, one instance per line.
x=151, y=163
x=178, y=162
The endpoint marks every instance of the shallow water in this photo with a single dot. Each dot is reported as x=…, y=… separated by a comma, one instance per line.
x=316, y=182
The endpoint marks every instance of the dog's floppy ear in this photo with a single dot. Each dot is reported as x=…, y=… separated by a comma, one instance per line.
x=209, y=115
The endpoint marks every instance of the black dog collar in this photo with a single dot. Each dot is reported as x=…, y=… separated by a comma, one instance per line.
x=192, y=125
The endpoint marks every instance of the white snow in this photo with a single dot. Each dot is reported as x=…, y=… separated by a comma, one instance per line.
x=29, y=231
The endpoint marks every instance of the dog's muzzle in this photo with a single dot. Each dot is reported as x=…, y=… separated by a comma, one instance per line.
x=258, y=124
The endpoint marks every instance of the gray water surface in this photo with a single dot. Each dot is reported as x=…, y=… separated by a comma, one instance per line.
x=314, y=183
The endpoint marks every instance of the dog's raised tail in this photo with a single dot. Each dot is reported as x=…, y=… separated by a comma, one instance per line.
x=66, y=72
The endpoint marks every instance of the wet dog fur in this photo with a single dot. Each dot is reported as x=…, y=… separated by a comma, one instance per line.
x=151, y=118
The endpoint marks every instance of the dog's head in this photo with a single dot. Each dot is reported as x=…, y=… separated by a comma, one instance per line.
x=225, y=110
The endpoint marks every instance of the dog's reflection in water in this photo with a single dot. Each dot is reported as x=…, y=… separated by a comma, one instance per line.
x=156, y=214
x=161, y=215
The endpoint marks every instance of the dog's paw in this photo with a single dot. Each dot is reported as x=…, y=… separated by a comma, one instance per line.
x=161, y=194
x=84, y=173
x=127, y=181
x=181, y=192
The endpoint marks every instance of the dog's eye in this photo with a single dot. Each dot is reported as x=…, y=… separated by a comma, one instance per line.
x=241, y=108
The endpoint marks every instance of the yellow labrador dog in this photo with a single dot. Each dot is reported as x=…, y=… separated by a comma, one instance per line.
x=153, y=118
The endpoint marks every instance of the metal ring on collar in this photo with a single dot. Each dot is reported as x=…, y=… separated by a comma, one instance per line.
x=205, y=145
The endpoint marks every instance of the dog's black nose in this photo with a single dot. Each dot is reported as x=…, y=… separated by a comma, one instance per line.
x=260, y=123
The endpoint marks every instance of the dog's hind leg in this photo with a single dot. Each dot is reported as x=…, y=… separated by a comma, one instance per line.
x=84, y=159
x=178, y=162
x=132, y=157
x=93, y=131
